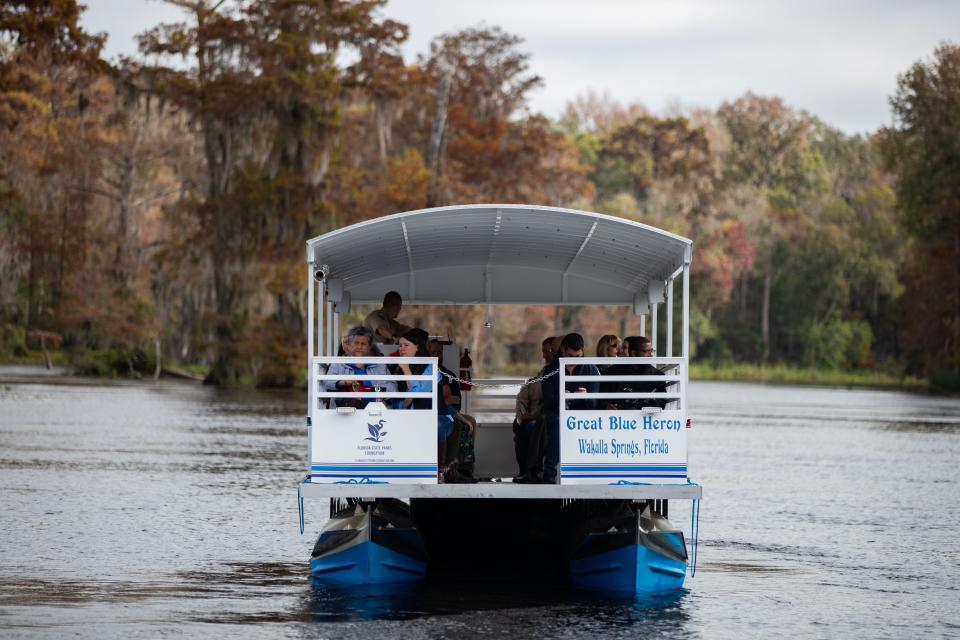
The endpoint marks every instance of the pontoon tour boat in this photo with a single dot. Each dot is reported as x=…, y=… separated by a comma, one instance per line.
x=604, y=523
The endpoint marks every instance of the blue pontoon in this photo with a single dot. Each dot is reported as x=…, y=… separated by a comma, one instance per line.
x=604, y=524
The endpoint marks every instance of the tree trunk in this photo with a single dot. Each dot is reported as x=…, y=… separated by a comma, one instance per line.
x=955, y=348
x=383, y=131
x=436, y=138
x=765, y=312
x=158, y=355
x=46, y=354
x=744, y=288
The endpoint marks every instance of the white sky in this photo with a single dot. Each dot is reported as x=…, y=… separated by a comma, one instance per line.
x=838, y=59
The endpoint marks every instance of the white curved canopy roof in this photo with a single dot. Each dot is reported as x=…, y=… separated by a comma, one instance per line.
x=500, y=254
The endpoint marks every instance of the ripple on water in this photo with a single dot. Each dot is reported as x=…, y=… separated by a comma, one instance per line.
x=132, y=510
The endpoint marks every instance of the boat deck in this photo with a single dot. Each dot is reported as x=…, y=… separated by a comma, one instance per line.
x=505, y=490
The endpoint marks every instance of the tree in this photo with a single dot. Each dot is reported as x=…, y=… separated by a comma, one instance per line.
x=489, y=148
x=769, y=153
x=661, y=160
x=264, y=88
x=51, y=133
x=923, y=149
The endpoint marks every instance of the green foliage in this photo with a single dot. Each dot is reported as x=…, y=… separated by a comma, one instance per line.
x=945, y=380
x=112, y=363
x=793, y=374
x=838, y=344
x=923, y=149
x=13, y=341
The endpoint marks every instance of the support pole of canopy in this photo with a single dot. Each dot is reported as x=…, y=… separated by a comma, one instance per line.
x=653, y=327
x=686, y=330
x=311, y=347
x=670, y=318
x=319, y=319
x=330, y=349
x=336, y=330
x=643, y=324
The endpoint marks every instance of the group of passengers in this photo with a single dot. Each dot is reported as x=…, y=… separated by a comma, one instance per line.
x=455, y=429
x=536, y=425
x=537, y=422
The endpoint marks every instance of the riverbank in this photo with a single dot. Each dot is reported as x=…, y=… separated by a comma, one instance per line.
x=741, y=372
x=779, y=374
x=787, y=374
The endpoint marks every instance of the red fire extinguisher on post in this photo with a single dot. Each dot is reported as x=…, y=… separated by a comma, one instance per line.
x=466, y=365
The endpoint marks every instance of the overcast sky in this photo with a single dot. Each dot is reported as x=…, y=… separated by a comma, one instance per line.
x=838, y=59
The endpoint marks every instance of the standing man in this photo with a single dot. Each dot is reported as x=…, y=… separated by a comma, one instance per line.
x=527, y=424
x=383, y=322
x=570, y=347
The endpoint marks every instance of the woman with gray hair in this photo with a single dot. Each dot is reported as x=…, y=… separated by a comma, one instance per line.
x=357, y=343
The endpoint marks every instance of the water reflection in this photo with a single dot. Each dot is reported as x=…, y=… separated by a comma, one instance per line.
x=445, y=598
x=922, y=426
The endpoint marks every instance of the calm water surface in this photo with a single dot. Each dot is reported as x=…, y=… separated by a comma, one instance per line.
x=141, y=510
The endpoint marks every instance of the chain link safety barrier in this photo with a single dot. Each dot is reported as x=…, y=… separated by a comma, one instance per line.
x=501, y=385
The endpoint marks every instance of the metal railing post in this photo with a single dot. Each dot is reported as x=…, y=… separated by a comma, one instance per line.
x=670, y=318
x=653, y=327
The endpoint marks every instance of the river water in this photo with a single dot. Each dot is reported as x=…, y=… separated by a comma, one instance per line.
x=133, y=510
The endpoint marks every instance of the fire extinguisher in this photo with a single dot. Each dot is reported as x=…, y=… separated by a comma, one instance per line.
x=466, y=364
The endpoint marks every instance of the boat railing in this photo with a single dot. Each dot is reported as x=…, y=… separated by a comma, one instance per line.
x=489, y=395
x=492, y=398
x=604, y=440
x=321, y=365
x=672, y=377
x=372, y=441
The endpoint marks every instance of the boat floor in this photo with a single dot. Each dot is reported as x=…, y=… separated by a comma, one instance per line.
x=503, y=489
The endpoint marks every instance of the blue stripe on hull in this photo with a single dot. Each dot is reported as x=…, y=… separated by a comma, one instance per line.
x=622, y=467
x=633, y=568
x=567, y=474
x=371, y=467
x=366, y=563
x=373, y=475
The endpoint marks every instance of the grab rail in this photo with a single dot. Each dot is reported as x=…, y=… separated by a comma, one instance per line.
x=319, y=375
x=673, y=379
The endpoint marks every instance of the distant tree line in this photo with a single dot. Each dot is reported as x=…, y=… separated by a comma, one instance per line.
x=159, y=205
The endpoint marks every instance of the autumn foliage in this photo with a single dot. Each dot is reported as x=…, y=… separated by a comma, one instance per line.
x=161, y=204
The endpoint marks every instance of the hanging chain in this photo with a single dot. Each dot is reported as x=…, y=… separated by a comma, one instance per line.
x=501, y=386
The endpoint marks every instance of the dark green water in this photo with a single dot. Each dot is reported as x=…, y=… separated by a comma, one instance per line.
x=141, y=510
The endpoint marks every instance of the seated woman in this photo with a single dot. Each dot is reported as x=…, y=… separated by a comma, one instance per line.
x=357, y=344
x=413, y=343
x=608, y=347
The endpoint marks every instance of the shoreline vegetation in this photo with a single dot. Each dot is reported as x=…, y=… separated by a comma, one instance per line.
x=790, y=374
x=777, y=374
x=156, y=209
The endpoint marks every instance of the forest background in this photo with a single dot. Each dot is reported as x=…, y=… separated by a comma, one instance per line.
x=156, y=209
